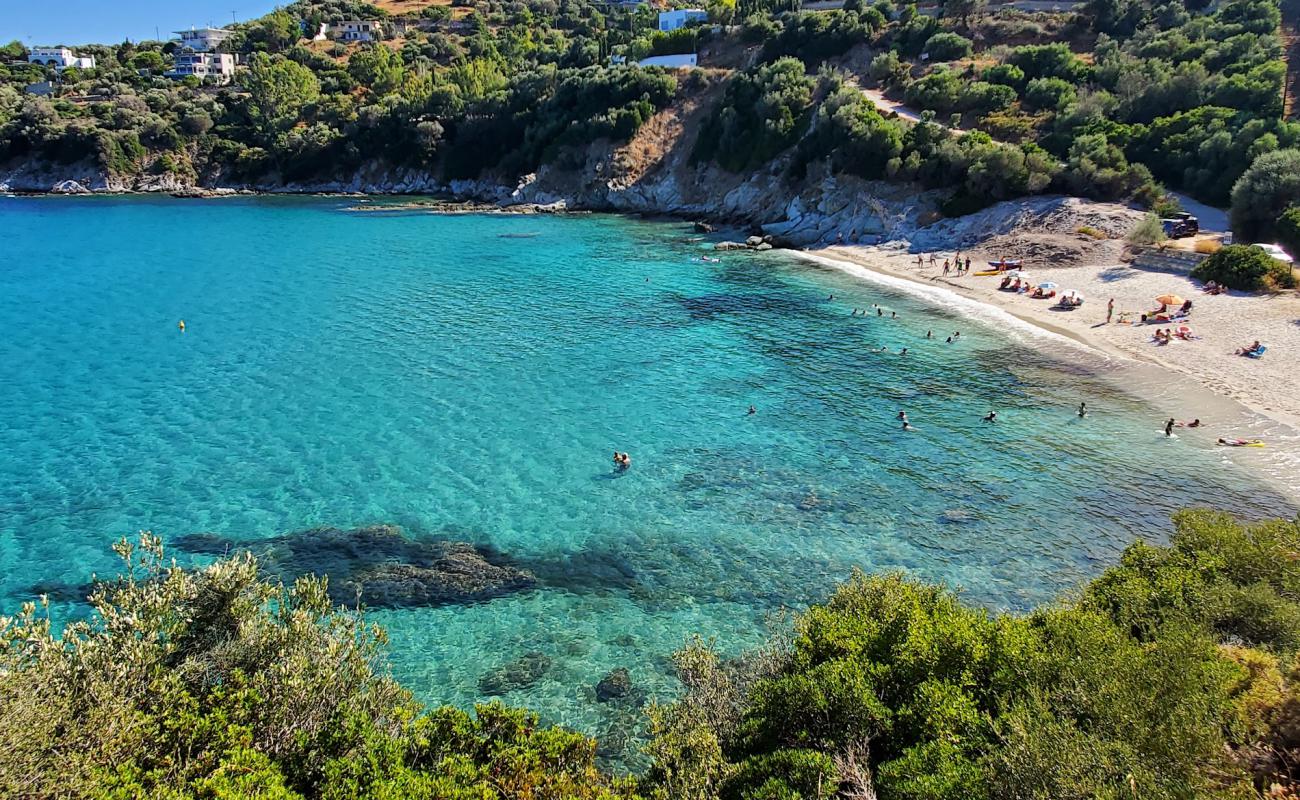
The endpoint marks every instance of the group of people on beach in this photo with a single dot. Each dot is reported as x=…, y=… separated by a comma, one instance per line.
x=962, y=267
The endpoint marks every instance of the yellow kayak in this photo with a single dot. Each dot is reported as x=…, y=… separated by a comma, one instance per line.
x=988, y=272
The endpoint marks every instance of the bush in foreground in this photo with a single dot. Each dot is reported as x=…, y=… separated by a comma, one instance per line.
x=218, y=683
x=1170, y=676
x=1244, y=267
x=1143, y=688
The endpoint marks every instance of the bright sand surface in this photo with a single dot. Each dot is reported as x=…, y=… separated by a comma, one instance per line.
x=1269, y=386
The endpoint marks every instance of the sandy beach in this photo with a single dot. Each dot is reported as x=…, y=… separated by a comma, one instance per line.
x=1237, y=396
x=1223, y=323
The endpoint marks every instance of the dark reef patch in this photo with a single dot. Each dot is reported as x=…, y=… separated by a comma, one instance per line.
x=379, y=566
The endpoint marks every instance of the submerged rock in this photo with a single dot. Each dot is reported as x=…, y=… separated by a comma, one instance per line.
x=521, y=673
x=614, y=686
x=380, y=566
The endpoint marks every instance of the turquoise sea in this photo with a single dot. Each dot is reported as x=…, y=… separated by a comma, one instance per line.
x=469, y=377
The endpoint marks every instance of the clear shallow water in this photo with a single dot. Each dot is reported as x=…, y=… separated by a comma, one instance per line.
x=469, y=377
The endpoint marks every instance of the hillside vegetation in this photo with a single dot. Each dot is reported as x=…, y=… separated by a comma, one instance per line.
x=1172, y=675
x=1114, y=101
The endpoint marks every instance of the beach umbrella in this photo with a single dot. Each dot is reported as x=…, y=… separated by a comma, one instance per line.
x=1170, y=300
x=1047, y=285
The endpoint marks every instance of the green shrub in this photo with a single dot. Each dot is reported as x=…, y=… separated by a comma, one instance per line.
x=218, y=683
x=783, y=775
x=984, y=98
x=1287, y=228
x=1049, y=94
x=762, y=113
x=947, y=46
x=1244, y=267
x=1005, y=74
x=1148, y=231
x=1264, y=192
x=939, y=91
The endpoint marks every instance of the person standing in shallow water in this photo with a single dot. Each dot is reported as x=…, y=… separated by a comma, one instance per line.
x=1083, y=410
x=1169, y=427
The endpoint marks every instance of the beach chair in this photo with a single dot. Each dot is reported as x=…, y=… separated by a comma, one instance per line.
x=1257, y=353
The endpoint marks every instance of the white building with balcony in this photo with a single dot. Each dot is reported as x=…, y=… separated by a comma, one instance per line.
x=203, y=40
x=357, y=30
x=680, y=18
x=60, y=58
x=218, y=67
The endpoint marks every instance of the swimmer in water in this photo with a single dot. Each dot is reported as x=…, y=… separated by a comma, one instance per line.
x=903, y=352
x=907, y=426
x=1083, y=410
x=893, y=315
x=929, y=334
x=902, y=415
x=880, y=312
x=181, y=326
x=1169, y=427
x=949, y=340
x=992, y=417
x=752, y=410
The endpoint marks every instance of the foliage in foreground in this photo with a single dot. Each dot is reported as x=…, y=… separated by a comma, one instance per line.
x=1171, y=677
x=218, y=683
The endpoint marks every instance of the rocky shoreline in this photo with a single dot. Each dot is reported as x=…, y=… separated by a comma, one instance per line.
x=821, y=210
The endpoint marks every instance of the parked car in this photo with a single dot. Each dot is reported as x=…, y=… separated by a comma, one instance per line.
x=1181, y=226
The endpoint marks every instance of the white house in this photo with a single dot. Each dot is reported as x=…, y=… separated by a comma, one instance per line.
x=356, y=30
x=203, y=40
x=60, y=58
x=680, y=18
x=220, y=67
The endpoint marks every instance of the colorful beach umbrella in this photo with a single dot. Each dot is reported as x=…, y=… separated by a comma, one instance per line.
x=1170, y=300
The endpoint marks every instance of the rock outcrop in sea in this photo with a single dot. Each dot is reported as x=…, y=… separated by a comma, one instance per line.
x=521, y=673
x=380, y=566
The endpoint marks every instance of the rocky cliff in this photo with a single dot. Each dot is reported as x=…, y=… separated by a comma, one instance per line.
x=651, y=174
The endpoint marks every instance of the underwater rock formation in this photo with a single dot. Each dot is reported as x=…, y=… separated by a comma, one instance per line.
x=381, y=567
x=518, y=674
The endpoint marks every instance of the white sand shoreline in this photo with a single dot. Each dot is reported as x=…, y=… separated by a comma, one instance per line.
x=1245, y=412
